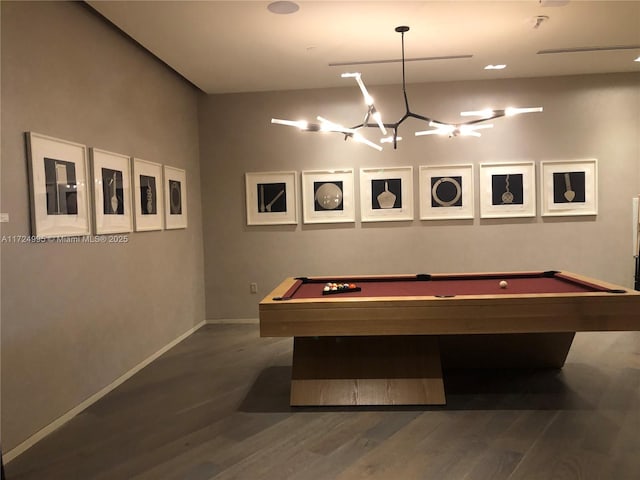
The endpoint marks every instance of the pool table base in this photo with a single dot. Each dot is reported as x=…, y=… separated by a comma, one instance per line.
x=407, y=369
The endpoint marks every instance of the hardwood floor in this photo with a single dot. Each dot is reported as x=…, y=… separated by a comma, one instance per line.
x=216, y=407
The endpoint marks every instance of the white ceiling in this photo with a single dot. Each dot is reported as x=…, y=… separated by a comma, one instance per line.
x=240, y=46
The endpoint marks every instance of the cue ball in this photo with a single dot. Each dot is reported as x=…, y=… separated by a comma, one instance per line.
x=503, y=284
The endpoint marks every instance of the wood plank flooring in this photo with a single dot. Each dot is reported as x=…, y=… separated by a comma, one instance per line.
x=216, y=407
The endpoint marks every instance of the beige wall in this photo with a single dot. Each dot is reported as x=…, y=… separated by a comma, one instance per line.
x=75, y=317
x=584, y=117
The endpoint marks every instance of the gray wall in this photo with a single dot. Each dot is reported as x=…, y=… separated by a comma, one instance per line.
x=584, y=117
x=75, y=317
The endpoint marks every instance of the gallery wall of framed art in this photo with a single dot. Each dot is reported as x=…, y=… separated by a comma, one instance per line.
x=79, y=191
x=445, y=192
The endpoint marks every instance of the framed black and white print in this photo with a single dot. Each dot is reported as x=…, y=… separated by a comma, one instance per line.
x=507, y=190
x=111, y=192
x=446, y=192
x=328, y=196
x=271, y=198
x=386, y=194
x=569, y=187
x=175, y=198
x=148, y=195
x=59, y=191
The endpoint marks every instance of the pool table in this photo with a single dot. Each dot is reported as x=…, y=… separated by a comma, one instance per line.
x=387, y=341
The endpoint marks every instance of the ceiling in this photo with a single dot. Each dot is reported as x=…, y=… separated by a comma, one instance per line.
x=240, y=46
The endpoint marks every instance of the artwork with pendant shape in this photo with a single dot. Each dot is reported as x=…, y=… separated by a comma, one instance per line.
x=386, y=194
x=111, y=192
x=507, y=190
x=569, y=187
x=271, y=198
x=149, y=196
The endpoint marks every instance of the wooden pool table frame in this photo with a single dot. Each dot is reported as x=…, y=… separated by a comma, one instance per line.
x=391, y=350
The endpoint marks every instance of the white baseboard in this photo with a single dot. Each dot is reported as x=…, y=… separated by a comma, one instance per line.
x=35, y=438
x=231, y=321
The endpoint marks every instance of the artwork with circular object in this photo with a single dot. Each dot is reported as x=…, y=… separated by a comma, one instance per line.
x=446, y=191
x=175, y=197
x=328, y=196
x=507, y=189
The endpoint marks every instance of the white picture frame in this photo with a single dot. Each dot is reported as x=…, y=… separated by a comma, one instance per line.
x=148, y=195
x=58, y=186
x=569, y=187
x=111, y=192
x=271, y=198
x=386, y=194
x=175, y=198
x=446, y=192
x=507, y=190
x=328, y=196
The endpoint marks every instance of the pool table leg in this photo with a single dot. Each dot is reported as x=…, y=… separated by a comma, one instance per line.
x=366, y=370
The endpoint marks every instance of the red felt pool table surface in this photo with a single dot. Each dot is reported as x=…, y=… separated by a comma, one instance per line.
x=388, y=343
x=449, y=285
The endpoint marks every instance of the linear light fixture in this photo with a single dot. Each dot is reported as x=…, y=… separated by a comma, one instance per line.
x=373, y=117
x=587, y=49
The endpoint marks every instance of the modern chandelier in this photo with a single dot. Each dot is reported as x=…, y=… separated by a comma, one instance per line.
x=373, y=119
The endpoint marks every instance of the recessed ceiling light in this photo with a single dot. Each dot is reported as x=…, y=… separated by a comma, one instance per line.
x=495, y=67
x=283, y=8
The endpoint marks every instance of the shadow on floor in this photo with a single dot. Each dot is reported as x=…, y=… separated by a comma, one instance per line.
x=466, y=389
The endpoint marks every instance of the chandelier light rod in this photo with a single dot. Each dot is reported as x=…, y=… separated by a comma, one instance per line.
x=468, y=128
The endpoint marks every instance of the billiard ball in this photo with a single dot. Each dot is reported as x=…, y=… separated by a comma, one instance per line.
x=503, y=284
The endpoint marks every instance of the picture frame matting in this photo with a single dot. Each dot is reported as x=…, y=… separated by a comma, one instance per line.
x=58, y=186
x=111, y=192
x=446, y=192
x=328, y=196
x=148, y=195
x=271, y=198
x=175, y=198
x=386, y=194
